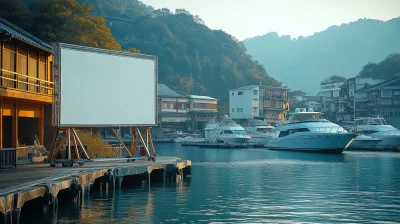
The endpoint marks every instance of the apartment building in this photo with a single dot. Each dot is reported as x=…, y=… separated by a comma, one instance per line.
x=381, y=99
x=267, y=103
x=349, y=96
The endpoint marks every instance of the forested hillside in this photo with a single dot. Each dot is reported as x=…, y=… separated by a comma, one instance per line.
x=193, y=59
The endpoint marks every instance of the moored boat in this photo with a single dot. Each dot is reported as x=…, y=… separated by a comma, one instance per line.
x=307, y=131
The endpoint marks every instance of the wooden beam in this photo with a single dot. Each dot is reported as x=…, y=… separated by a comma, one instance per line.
x=53, y=144
x=54, y=155
x=75, y=147
x=1, y=62
x=41, y=125
x=151, y=143
x=1, y=123
x=122, y=143
x=14, y=125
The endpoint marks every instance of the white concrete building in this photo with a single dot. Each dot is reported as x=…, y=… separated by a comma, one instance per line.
x=267, y=103
x=244, y=102
x=330, y=90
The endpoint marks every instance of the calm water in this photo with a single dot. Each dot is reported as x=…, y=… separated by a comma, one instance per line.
x=256, y=185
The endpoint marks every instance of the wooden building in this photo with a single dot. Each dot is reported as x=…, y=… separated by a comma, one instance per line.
x=25, y=86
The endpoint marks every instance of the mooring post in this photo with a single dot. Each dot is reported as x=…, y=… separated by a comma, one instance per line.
x=119, y=182
x=149, y=175
x=16, y=213
x=8, y=218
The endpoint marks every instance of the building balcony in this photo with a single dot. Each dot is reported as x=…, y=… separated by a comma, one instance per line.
x=16, y=85
x=275, y=108
x=275, y=97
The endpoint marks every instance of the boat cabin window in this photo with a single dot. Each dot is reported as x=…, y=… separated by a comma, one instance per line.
x=367, y=132
x=305, y=117
x=292, y=131
x=227, y=132
x=263, y=129
x=238, y=132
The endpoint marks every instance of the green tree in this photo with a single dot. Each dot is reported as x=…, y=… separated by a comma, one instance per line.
x=385, y=69
x=68, y=21
x=16, y=12
x=133, y=50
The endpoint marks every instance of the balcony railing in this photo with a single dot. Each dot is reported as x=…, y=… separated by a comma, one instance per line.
x=275, y=97
x=14, y=80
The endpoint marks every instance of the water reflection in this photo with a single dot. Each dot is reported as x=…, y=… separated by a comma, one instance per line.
x=256, y=185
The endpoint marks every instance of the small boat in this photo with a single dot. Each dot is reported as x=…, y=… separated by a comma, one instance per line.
x=361, y=142
x=307, y=131
x=378, y=128
x=259, y=131
x=227, y=131
x=364, y=142
x=189, y=139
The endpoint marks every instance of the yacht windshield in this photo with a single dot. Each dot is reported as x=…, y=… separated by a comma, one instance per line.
x=307, y=117
x=371, y=121
x=238, y=132
x=263, y=129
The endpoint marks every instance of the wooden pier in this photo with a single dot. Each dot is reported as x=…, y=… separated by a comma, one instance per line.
x=222, y=145
x=38, y=185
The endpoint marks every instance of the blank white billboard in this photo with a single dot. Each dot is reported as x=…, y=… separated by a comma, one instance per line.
x=99, y=88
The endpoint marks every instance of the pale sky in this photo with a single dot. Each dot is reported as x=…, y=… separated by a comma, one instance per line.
x=249, y=18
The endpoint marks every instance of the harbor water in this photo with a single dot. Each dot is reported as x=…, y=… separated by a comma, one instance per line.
x=252, y=186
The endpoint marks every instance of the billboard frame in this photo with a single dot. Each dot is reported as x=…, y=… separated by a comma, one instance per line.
x=56, y=106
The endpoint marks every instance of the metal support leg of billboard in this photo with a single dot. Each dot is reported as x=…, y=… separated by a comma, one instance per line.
x=143, y=137
x=81, y=155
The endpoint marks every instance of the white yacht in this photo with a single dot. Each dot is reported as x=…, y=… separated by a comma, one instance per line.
x=378, y=128
x=227, y=131
x=361, y=142
x=306, y=131
x=259, y=131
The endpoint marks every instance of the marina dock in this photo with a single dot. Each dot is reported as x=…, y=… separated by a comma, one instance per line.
x=223, y=145
x=37, y=185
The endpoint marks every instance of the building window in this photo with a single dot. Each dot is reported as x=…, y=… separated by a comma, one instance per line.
x=240, y=93
x=207, y=106
x=386, y=102
x=183, y=106
x=255, y=92
x=171, y=106
x=396, y=93
x=22, y=67
x=386, y=93
x=8, y=63
x=164, y=105
x=255, y=109
x=396, y=102
x=239, y=110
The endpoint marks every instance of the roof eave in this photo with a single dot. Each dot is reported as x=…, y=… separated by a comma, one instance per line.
x=28, y=42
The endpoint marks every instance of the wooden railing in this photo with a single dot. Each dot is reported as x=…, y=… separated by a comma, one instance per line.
x=8, y=157
x=14, y=80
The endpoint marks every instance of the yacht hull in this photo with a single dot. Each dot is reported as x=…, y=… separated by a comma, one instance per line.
x=363, y=144
x=233, y=140
x=329, y=143
x=389, y=142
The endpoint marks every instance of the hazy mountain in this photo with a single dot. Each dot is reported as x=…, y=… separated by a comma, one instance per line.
x=304, y=62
